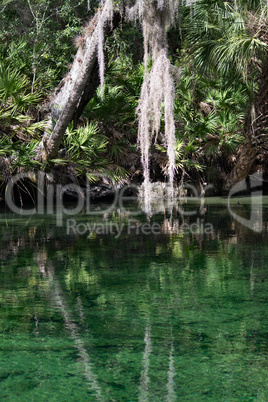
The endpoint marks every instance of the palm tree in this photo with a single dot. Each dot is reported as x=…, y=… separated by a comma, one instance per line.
x=231, y=38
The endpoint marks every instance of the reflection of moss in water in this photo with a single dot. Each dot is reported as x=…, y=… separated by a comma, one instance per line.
x=205, y=299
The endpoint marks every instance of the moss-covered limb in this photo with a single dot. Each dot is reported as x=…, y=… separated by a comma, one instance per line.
x=70, y=97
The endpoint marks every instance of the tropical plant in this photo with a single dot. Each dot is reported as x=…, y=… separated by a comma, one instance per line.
x=86, y=147
x=14, y=90
x=19, y=133
x=113, y=104
x=220, y=78
x=85, y=142
x=220, y=37
x=184, y=160
x=230, y=39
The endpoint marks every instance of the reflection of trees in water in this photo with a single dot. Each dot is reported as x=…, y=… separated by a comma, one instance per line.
x=24, y=238
x=58, y=299
x=171, y=394
x=145, y=379
x=157, y=276
x=144, y=387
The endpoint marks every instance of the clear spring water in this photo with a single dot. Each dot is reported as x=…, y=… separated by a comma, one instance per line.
x=135, y=317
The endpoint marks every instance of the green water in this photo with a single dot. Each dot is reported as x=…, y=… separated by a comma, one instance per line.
x=135, y=317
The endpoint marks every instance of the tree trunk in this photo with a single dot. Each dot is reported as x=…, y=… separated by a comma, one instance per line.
x=255, y=131
x=89, y=91
x=243, y=164
x=79, y=85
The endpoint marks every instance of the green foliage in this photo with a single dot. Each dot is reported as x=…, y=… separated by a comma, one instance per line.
x=13, y=55
x=111, y=105
x=116, y=105
x=210, y=114
x=87, y=149
x=221, y=40
x=116, y=113
x=14, y=91
x=85, y=143
x=16, y=97
x=47, y=28
x=182, y=159
x=5, y=146
x=23, y=156
x=19, y=134
x=219, y=50
x=19, y=155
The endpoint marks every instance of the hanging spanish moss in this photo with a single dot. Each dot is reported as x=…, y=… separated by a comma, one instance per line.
x=157, y=98
x=157, y=93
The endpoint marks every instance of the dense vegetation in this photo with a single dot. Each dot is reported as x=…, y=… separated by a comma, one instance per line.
x=218, y=53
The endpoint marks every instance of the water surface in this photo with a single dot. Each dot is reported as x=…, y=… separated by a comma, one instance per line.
x=138, y=316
